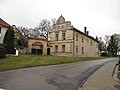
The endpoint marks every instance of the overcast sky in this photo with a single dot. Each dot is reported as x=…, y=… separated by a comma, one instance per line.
x=102, y=17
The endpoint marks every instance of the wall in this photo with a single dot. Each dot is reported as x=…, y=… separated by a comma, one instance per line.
x=3, y=32
x=90, y=46
x=62, y=26
x=31, y=41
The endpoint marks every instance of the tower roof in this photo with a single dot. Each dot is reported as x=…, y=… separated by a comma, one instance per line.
x=61, y=20
x=61, y=17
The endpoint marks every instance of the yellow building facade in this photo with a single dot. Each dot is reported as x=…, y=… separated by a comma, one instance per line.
x=37, y=45
x=65, y=40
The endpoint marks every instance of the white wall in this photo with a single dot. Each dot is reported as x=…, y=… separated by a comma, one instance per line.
x=3, y=31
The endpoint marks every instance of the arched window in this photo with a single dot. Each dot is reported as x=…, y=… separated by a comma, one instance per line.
x=63, y=36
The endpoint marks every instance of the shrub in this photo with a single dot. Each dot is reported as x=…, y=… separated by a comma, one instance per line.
x=2, y=51
x=9, y=40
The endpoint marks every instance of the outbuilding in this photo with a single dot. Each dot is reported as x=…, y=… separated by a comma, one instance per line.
x=37, y=45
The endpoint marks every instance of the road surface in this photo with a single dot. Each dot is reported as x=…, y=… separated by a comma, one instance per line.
x=56, y=77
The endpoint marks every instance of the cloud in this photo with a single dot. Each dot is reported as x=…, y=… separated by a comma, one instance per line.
x=100, y=16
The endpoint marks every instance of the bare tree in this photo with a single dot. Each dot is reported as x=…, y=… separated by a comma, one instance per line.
x=36, y=32
x=101, y=44
x=106, y=39
x=53, y=21
x=44, y=27
x=23, y=30
x=22, y=41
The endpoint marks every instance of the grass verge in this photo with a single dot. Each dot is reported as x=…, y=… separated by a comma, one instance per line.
x=23, y=61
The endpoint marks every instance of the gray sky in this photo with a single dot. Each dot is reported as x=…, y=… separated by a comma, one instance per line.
x=102, y=17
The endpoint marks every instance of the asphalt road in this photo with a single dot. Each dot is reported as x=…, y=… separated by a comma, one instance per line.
x=55, y=77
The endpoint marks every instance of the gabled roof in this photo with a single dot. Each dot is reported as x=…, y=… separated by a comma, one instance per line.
x=84, y=34
x=37, y=38
x=3, y=23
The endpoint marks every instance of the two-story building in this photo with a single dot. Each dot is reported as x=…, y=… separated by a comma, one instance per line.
x=65, y=40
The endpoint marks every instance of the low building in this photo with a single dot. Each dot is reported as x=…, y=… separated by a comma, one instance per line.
x=37, y=45
x=66, y=40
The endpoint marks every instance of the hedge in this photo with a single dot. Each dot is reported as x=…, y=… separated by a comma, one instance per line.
x=2, y=51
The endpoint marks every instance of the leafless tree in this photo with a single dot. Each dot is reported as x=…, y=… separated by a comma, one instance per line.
x=45, y=26
x=53, y=21
x=22, y=41
x=23, y=30
x=43, y=29
x=106, y=39
x=101, y=44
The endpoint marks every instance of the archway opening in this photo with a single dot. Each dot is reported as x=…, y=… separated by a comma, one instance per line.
x=37, y=48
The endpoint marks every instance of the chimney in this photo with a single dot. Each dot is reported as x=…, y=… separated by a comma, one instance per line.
x=87, y=32
x=85, y=29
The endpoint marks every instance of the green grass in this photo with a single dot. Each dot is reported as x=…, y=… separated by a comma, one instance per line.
x=23, y=61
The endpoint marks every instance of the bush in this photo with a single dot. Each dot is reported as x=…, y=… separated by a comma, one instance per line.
x=2, y=51
x=9, y=40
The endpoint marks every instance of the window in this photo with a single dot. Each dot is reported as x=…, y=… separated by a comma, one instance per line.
x=82, y=39
x=91, y=43
x=87, y=41
x=58, y=27
x=0, y=30
x=63, y=48
x=63, y=36
x=62, y=26
x=76, y=48
x=54, y=27
x=56, y=36
x=56, y=48
x=82, y=50
x=76, y=37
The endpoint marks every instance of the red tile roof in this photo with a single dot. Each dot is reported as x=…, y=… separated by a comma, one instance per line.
x=37, y=38
x=3, y=23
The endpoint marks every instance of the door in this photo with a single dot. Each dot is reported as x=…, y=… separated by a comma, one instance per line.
x=48, y=51
x=37, y=51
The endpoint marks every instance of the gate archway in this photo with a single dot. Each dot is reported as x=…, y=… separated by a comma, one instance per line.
x=37, y=48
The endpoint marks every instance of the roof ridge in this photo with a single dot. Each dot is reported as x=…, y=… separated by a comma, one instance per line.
x=3, y=23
